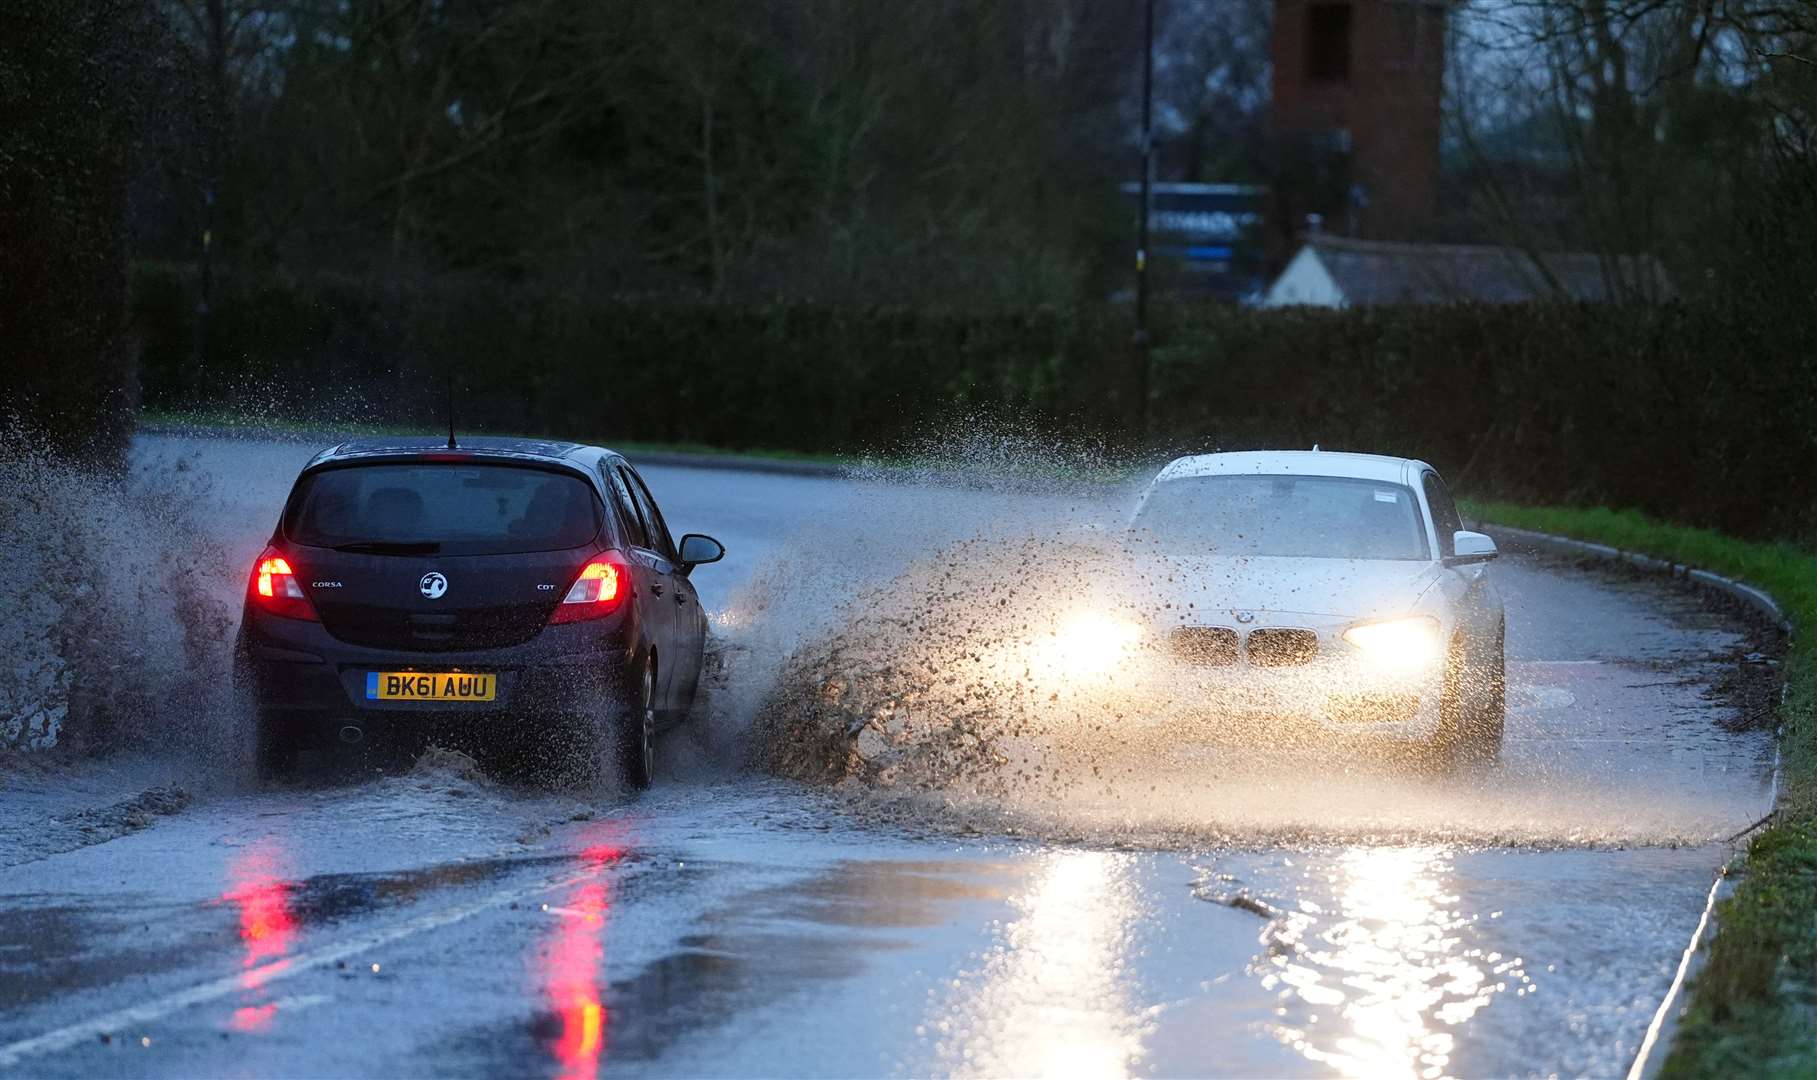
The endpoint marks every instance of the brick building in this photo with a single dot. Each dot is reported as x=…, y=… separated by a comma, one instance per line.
x=1355, y=117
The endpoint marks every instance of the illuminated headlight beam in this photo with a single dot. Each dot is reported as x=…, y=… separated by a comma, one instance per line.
x=1399, y=644
x=1091, y=644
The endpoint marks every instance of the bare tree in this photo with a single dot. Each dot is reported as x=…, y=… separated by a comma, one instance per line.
x=1622, y=126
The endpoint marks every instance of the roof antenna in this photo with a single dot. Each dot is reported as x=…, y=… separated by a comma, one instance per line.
x=451, y=445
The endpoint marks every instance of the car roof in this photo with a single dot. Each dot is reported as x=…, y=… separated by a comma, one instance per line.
x=469, y=448
x=1375, y=467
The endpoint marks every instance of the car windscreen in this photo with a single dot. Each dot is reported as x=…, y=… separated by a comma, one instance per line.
x=1326, y=517
x=452, y=509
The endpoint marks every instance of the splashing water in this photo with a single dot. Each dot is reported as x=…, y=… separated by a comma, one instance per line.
x=115, y=610
x=936, y=678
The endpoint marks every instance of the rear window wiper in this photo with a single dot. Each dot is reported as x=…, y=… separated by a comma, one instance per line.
x=383, y=547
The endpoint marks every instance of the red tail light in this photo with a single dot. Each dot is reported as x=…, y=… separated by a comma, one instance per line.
x=275, y=588
x=595, y=592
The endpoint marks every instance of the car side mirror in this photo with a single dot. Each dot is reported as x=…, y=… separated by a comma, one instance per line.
x=697, y=548
x=1470, y=547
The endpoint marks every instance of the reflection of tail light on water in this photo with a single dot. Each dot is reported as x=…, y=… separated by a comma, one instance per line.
x=267, y=928
x=572, y=970
x=572, y=977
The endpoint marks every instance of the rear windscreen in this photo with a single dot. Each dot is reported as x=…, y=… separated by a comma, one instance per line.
x=462, y=509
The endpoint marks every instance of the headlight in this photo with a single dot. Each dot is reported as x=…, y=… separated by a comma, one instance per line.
x=1402, y=644
x=1092, y=644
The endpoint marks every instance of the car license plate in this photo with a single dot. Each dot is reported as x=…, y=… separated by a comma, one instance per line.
x=430, y=686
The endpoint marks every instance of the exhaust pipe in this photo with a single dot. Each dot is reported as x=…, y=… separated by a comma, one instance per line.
x=352, y=733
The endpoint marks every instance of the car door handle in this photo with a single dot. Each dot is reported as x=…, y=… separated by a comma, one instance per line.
x=681, y=597
x=656, y=588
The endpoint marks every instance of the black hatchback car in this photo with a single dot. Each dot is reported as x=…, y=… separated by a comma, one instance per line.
x=519, y=591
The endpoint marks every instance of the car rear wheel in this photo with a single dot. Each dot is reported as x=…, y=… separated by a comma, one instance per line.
x=637, y=732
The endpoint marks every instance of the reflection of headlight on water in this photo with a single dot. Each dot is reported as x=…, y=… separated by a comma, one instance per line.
x=1398, y=644
x=1088, y=644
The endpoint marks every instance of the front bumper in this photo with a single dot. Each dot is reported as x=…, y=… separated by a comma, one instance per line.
x=296, y=666
x=1328, y=697
x=1335, y=695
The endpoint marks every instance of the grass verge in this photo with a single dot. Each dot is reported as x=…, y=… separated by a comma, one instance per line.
x=1753, y=1002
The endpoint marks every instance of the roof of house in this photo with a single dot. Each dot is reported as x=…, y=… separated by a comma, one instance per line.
x=1380, y=272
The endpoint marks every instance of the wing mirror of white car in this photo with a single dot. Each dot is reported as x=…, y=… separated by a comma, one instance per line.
x=697, y=548
x=1470, y=547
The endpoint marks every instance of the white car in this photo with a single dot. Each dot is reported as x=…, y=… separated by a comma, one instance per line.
x=1336, y=592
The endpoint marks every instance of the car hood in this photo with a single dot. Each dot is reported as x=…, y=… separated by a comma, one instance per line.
x=1213, y=588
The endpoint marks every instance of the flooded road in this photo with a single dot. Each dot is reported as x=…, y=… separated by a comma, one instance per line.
x=1231, y=919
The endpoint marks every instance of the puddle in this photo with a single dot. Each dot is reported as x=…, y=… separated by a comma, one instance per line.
x=47, y=951
x=741, y=956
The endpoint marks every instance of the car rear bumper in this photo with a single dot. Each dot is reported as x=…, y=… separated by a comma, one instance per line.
x=296, y=666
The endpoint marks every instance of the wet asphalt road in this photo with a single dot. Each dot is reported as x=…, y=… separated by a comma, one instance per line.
x=1525, y=921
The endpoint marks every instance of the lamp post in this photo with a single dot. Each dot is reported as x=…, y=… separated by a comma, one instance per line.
x=1148, y=146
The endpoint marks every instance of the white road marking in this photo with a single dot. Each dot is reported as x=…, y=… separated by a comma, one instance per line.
x=297, y=1002
x=1556, y=663
x=1541, y=697
x=125, y=1019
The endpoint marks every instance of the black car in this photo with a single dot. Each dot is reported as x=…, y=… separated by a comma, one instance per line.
x=509, y=588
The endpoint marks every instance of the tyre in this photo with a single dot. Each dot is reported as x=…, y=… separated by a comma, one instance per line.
x=1445, y=751
x=1488, y=713
x=1473, y=708
x=636, y=734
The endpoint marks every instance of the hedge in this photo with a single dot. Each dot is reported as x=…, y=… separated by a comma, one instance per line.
x=1702, y=415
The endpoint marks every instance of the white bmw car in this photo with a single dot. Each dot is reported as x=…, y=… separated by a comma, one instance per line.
x=1330, y=593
